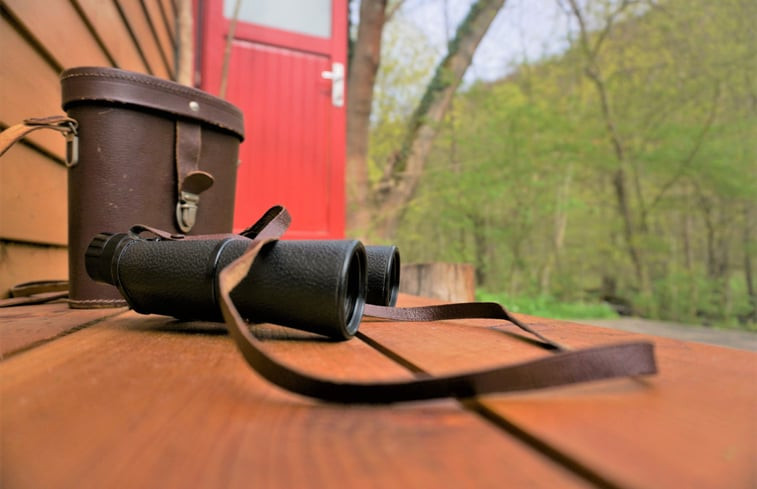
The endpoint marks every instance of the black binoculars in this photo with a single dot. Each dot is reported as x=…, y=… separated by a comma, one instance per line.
x=319, y=286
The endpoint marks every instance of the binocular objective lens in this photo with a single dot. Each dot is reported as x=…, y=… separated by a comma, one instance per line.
x=354, y=286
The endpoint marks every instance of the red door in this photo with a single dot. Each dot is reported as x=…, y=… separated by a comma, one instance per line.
x=287, y=74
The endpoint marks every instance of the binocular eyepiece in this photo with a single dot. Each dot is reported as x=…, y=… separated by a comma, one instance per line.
x=320, y=286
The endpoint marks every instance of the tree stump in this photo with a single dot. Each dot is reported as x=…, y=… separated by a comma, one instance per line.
x=454, y=282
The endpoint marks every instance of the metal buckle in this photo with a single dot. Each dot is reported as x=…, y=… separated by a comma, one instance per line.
x=72, y=147
x=186, y=210
x=66, y=126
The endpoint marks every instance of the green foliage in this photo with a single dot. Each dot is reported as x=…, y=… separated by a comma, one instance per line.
x=520, y=181
x=405, y=69
x=549, y=307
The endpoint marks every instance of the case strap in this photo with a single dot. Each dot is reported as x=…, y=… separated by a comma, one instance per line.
x=191, y=181
x=65, y=125
x=49, y=290
x=564, y=367
x=37, y=292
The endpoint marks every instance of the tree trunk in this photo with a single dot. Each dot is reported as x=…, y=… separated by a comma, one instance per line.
x=687, y=247
x=560, y=225
x=403, y=173
x=631, y=231
x=751, y=292
x=446, y=281
x=634, y=250
x=366, y=58
x=480, y=241
x=185, y=46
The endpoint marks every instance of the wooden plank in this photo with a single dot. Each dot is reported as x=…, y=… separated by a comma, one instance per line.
x=692, y=425
x=24, y=327
x=159, y=28
x=141, y=402
x=169, y=15
x=60, y=29
x=107, y=22
x=454, y=282
x=38, y=212
x=24, y=263
x=136, y=19
x=446, y=347
x=30, y=88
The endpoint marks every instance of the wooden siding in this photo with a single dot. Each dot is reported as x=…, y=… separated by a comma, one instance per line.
x=40, y=38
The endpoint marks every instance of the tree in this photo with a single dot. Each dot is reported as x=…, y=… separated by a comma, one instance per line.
x=380, y=206
x=529, y=195
x=364, y=63
x=591, y=50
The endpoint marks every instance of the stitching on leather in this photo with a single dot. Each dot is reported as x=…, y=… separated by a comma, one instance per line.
x=97, y=301
x=156, y=83
x=194, y=93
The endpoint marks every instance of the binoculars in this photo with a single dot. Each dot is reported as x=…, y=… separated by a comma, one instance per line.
x=320, y=286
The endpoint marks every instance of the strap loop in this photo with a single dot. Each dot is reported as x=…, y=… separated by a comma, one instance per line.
x=565, y=367
x=191, y=181
x=37, y=292
x=65, y=125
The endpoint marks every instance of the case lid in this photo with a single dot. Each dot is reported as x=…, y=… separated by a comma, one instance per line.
x=117, y=86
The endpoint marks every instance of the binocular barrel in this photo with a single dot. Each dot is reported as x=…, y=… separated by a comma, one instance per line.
x=383, y=275
x=318, y=286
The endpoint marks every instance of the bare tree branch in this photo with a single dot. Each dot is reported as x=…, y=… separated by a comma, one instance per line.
x=686, y=162
x=619, y=178
x=227, y=50
x=185, y=55
x=411, y=158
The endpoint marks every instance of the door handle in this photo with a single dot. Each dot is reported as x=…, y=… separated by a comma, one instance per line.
x=336, y=75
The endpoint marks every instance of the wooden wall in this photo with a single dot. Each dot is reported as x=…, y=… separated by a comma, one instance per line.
x=39, y=39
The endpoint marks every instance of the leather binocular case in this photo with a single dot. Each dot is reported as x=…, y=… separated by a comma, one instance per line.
x=145, y=150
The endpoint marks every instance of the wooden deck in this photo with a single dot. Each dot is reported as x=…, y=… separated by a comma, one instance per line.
x=113, y=399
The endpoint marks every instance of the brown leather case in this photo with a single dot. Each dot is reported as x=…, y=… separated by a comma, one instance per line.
x=150, y=152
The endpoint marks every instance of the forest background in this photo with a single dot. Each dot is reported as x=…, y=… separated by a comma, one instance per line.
x=615, y=170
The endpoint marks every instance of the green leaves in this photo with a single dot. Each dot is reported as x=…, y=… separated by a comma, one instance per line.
x=521, y=178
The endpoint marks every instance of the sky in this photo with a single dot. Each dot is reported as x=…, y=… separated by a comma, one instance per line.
x=524, y=30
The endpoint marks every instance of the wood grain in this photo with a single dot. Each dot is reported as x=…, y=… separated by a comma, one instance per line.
x=160, y=30
x=59, y=27
x=24, y=327
x=693, y=425
x=138, y=24
x=169, y=15
x=454, y=282
x=30, y=88
x=20, y=262
x=146, y=402
x=107, y=22
x=38, y=38
x=37, y=212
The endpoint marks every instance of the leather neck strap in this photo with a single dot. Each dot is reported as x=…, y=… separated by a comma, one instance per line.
x=564, y=367
x=65, y=125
